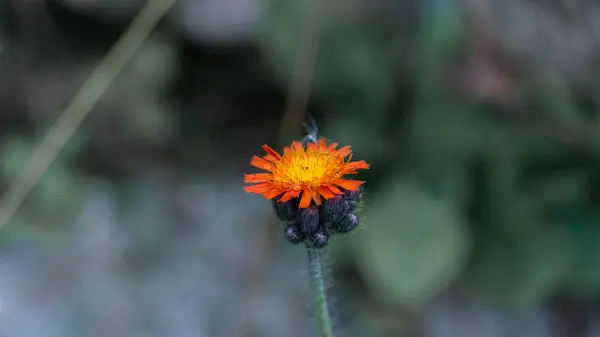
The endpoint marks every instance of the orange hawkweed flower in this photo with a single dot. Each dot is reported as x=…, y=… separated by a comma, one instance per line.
x=306, y=173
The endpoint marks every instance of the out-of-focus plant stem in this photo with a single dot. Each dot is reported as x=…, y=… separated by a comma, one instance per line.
x=83, y=102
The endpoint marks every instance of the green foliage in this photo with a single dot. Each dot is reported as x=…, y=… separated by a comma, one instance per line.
x=55, y=198
x=413, y=246
x=521, y=268
x=519, y=181
x=502, y=195
x=584, y=276
x=459, y=134
x=141, y=89
x=354, y=65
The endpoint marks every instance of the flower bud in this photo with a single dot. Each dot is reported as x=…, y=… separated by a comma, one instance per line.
x=286, y=211
x=318, y=240
x=347, y=224
x=334, y=208
x=309, y=219
x=352, y=198
x=294, y=234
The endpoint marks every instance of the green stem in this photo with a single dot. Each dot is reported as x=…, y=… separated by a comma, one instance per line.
x=318, y=288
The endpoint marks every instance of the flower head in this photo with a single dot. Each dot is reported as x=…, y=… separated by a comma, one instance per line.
x=310, y=172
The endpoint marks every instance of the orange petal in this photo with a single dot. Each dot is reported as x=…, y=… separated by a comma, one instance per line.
x=344, y=151
x=287, y=196
x=322, y=144
x=270, y=194
x=335, y=189
x=286, y=151
x=297, y=146
x=261, y=163
x=326, y=192
x=332, y=146
x=270, y=158
x=258, y=188
x=351, y=168
x=350, y=185
x=257, y=177
x=306, y=198
x=357, y=165
x=312, y=146
x=270, y=151
x=317, y=198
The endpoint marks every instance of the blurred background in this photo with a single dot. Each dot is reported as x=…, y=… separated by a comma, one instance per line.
x=480, y=119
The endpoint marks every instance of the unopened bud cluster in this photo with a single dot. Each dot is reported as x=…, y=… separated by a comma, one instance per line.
x=315, y=224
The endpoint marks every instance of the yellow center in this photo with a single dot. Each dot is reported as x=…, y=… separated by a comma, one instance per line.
x=311, y=169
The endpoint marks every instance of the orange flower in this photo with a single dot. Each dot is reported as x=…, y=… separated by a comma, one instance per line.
x=306, y=173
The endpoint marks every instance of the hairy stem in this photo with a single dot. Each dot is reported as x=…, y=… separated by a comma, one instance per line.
x=318, y=288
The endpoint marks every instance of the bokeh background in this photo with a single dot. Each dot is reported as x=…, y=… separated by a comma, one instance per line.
x=480, y=120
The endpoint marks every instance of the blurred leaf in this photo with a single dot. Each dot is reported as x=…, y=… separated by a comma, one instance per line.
x=141, y=91
x=353, y=69
x=520, y=269
x=58, y=184
x=442, y=31
x=15, y=152
x=557, y=189
x=443, y=134
x=584, y=277
x=504, y=190
x=520, y=256
x=154, y=66
x=57, y=195
x=455, y=187
x=414, y=245
x=56, y=180
x=20, y=229
x=554, y=100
